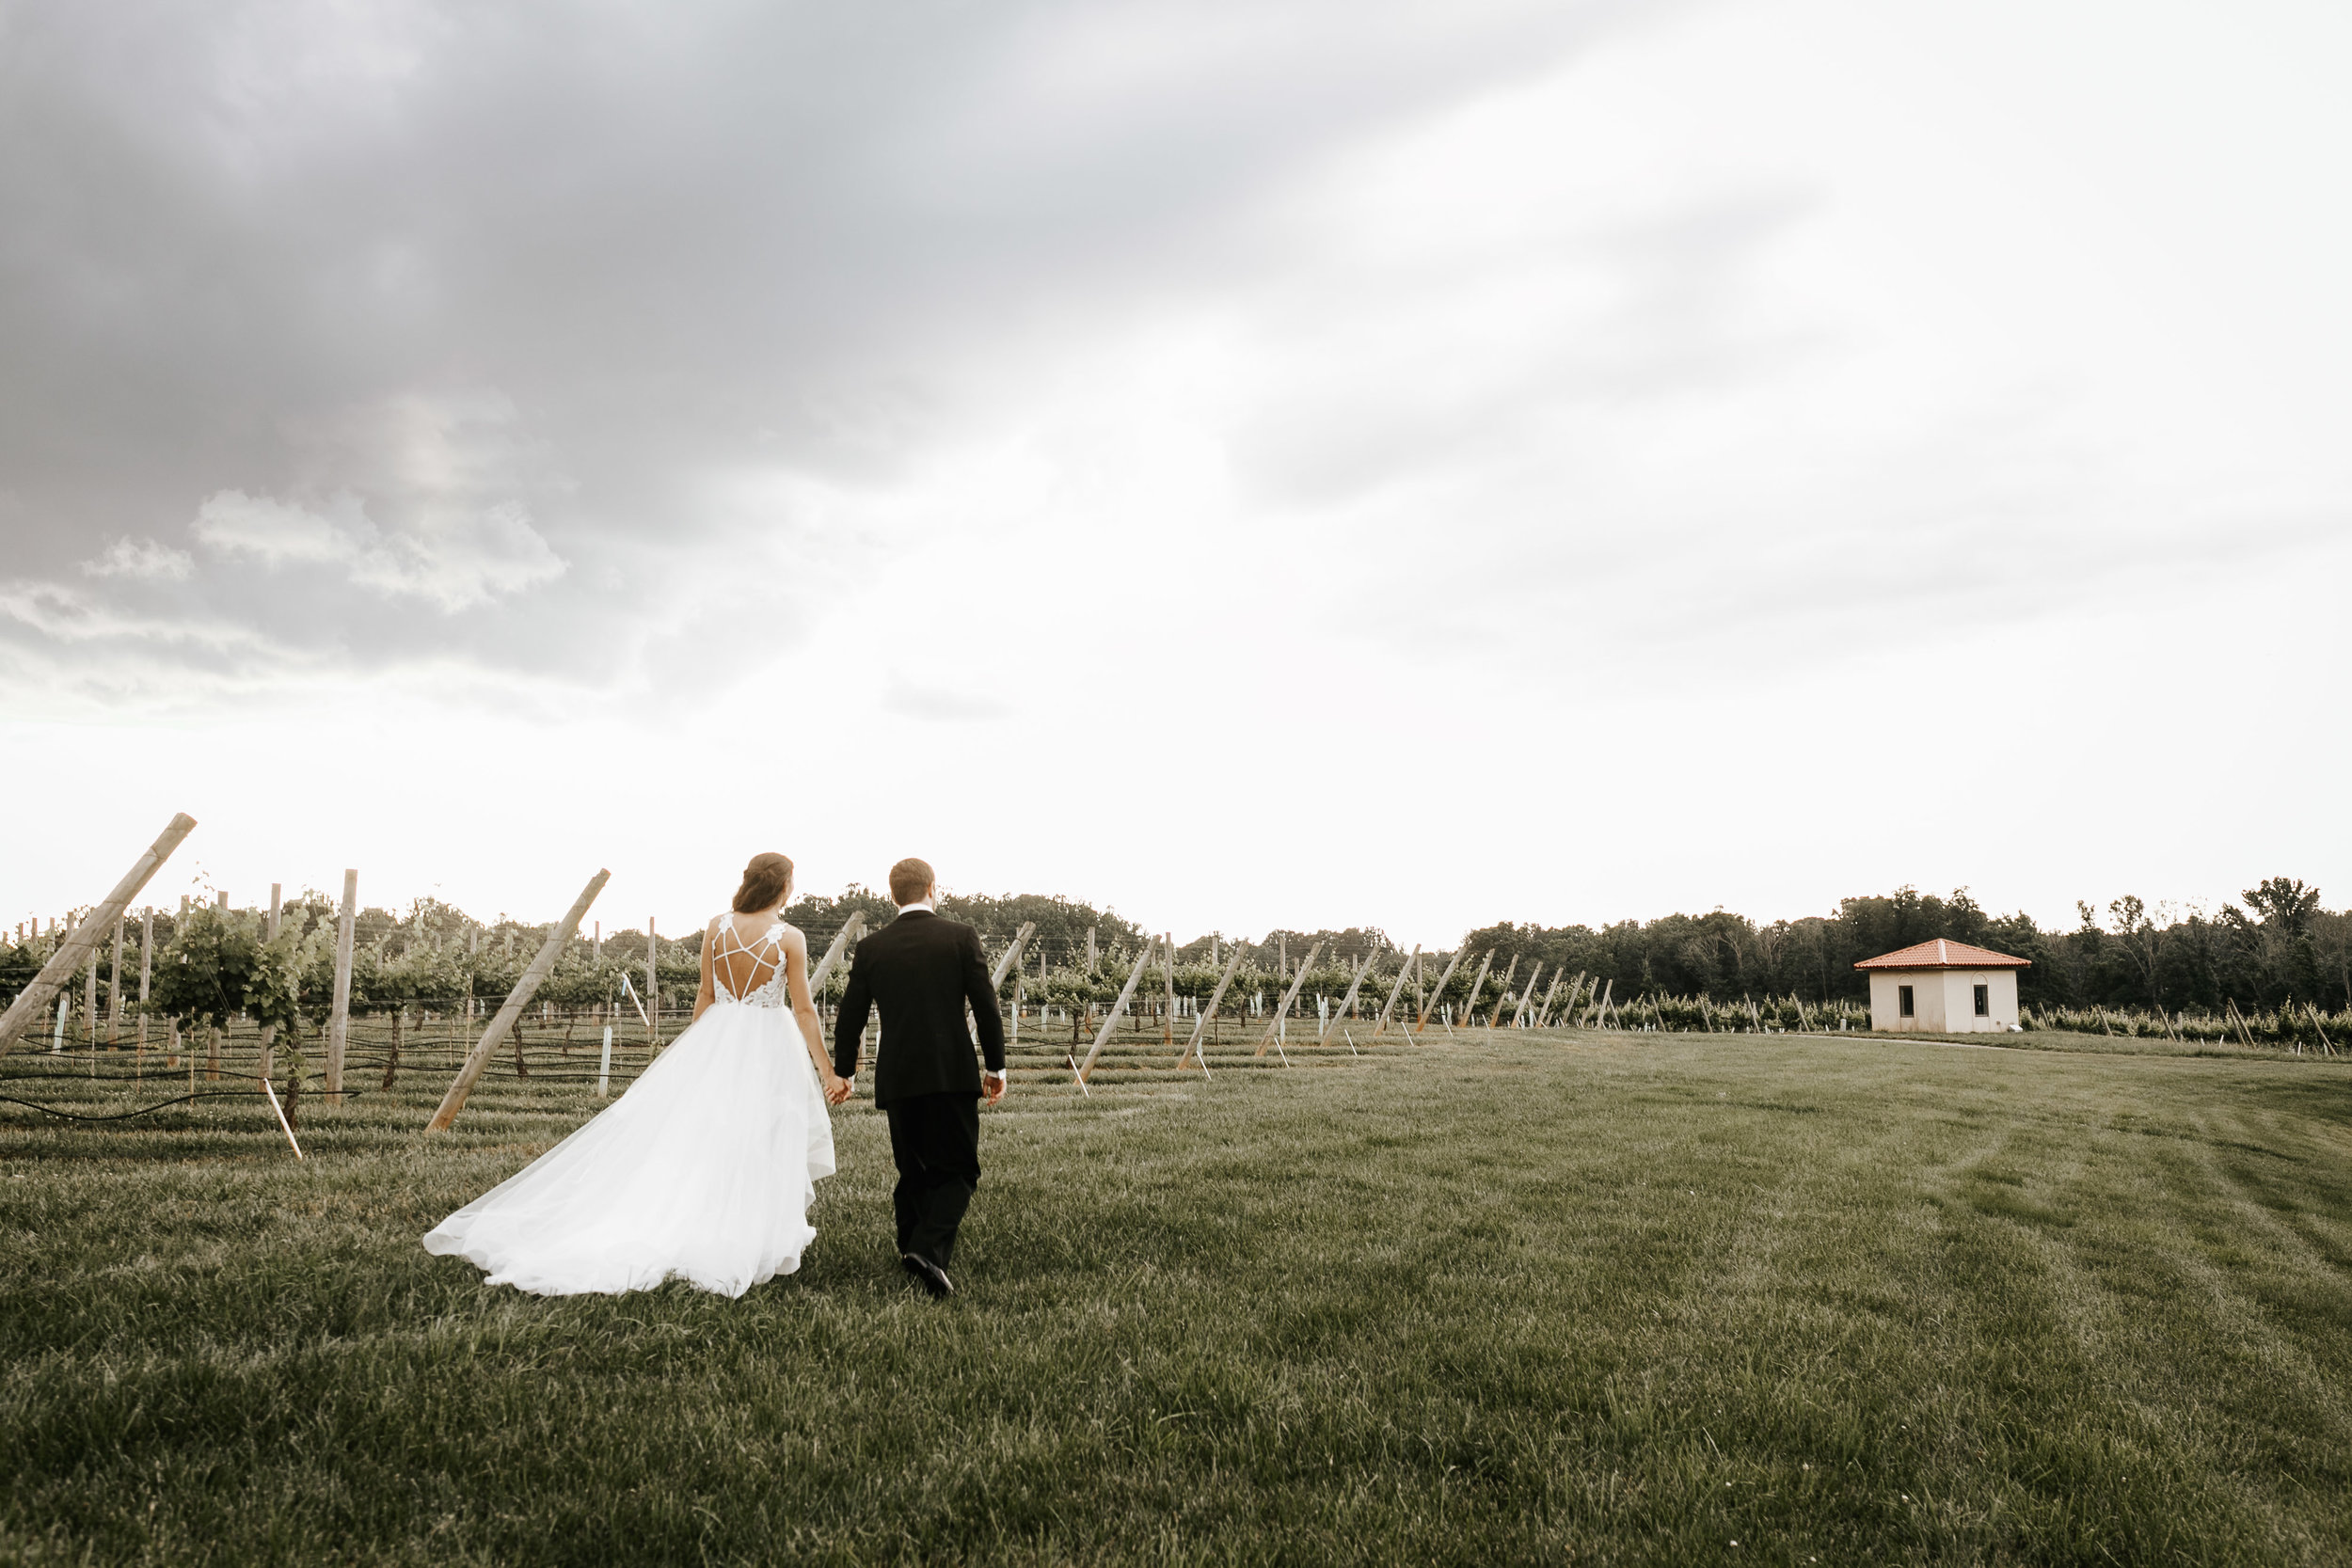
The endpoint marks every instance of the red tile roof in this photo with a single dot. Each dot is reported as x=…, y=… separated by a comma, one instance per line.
x=1941, y=954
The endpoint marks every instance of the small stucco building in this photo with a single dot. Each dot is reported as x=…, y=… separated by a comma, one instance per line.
x=1944, y=988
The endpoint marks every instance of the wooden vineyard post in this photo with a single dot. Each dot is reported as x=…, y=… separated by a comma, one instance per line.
x=1012, y=954
x=147, y=977
x=114, y=987
x=338, y=1022
x=33, y=1000
x=1501, y=991
x=1274, y=1025
x=1429, y=1002
x=850, y=931
x=1110, y=1021
x=89, y=1004
x=1477, y=985
x=1601, y=1018
x=1527, y=994
x=1534, y=1006
x=1576, y=988
x=1346, y=1002
x=1168, y=972
x=1397, y=990
x=541, y=967
x=1208, y=1014
x=269, y=933
x=653, y=986
x=1526, y=1003
x=1542, y=1010
x=1006, y=964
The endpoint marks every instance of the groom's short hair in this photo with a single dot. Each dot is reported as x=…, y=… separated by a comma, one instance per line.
x=910, y=879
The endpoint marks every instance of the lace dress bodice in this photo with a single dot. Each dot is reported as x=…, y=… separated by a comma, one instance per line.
x=767, y=987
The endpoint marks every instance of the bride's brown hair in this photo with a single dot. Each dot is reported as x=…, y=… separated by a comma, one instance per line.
x=764, y=882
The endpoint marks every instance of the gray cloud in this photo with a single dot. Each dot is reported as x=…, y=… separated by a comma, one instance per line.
x=392, y=333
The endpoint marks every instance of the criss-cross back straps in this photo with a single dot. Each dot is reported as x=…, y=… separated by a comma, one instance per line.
x=767, y=956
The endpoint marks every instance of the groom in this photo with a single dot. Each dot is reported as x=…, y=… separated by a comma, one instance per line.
x=921, y=970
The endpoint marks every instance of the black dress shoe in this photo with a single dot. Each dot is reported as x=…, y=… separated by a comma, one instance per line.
x=928, y=1275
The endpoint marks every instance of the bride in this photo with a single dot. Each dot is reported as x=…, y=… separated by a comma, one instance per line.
x=704, y=1170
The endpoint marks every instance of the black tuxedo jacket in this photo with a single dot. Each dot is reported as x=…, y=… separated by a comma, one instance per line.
x=920, y=969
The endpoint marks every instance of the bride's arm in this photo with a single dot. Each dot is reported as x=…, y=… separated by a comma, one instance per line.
x=805, y=1014
x=705, y=997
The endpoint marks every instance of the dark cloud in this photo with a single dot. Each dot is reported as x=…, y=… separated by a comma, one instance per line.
x=343, y=337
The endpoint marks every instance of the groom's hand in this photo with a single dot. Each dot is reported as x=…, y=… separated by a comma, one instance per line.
x=841, y=1090
x=994, y=1083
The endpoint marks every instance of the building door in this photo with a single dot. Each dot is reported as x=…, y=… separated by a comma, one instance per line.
x=1984, y=1001
x=1902, y=1000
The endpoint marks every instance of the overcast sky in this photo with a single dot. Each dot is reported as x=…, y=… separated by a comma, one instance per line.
x=1286, y=463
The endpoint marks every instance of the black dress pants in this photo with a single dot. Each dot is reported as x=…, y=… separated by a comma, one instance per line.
x=935, y=1139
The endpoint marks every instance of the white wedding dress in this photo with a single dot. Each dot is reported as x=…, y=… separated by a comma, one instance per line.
x=702, y=1171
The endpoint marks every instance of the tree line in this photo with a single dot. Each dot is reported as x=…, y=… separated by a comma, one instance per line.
x=2281, y=947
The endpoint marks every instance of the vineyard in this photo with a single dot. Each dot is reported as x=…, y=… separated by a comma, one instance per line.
x=1305, y=1249
x=181, y=1009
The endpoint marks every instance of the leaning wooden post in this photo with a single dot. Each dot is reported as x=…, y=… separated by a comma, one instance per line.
x=1394, y=992
x=516, y=1000
x=1012, y=955
x=1208, y=1014
x=339, y=1023
x=653, y=985
x=1348, y=1000
x=1534, y=1010
x=1429, y=1003
x=1110, y=1021
x=1274, y=1024
x=1576, y=988
x=1520, y=1005
x=1475, y=986
x=1501, y=991
x=33, y=1000
x=1527, y=1004
x=850, y=931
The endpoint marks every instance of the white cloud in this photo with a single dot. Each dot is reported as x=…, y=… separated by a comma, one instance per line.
x=454, y=560
x=142, y=559
x=277, y=534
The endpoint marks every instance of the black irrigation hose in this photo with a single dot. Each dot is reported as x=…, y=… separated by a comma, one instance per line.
x=124, y=1115
x=146, y=1110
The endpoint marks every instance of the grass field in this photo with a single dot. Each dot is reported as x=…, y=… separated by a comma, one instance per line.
x=1595, y=1298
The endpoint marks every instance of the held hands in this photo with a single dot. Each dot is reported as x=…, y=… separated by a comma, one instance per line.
x=838, y=1089
x=993, y=1084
